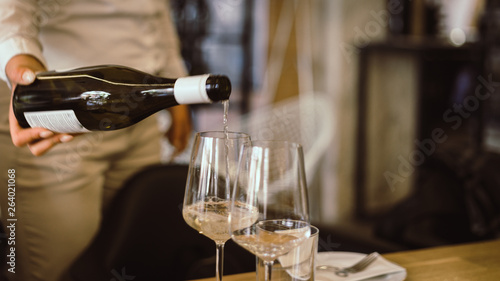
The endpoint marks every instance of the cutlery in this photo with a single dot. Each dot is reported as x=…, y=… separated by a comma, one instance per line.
x=357, y=267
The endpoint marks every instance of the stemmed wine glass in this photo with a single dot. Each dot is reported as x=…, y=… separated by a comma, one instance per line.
x=208, y=188
x=271, y=192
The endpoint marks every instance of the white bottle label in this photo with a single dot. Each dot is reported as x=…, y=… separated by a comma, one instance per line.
x=62, y=121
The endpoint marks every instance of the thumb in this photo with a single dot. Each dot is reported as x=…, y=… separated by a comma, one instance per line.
x=21, y=69
x=22, y=76
x=27, y=76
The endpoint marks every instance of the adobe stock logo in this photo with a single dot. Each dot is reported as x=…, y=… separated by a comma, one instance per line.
x=453, y=116
x=48, y=9
x=372, y=29
x=121, y=276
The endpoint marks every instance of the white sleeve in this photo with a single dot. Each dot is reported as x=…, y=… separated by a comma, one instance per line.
x=19, y=23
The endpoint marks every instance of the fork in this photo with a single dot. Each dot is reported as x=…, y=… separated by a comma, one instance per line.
x=357, y=267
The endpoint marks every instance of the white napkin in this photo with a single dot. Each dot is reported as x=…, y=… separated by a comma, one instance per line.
x=380, y=269
x=298, y=262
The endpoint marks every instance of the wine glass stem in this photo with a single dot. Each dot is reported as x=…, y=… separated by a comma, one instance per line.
x=268, y=265
x=219, y=262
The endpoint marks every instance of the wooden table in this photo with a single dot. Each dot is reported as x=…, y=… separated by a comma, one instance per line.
x=469, y=262
x=477, y=261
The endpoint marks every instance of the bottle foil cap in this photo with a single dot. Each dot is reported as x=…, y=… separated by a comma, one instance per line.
x=191, y=90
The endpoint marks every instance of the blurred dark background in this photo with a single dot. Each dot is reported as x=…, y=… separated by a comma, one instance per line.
x=412, y=161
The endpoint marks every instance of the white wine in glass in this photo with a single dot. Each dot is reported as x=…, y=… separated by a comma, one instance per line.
x=271, y=181
x=212, y=169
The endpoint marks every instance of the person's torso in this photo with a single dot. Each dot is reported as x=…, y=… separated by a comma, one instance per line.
x=78, y=33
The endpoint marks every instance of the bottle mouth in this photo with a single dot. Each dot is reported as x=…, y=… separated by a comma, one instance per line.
x=218, y=87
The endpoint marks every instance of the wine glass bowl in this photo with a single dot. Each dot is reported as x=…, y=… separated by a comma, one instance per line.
x=209, y=217
x=271, y=185
x=271, y=239
x=212, y=169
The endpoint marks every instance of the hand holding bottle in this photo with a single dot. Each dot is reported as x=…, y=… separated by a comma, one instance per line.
x=21, y=69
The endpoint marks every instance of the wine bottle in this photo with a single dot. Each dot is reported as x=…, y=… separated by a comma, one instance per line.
x=107, y=97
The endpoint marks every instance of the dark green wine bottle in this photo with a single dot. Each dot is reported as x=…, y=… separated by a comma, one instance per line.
x=107, y=97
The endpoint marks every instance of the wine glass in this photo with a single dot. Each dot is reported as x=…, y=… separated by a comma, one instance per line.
x=269, y=207
x=212, y=168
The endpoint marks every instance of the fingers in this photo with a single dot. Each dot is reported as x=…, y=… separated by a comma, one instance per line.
x=181, y=140
x=40, y=147
x=40, y=143
x=180, y=129
x=22, y=137
x=38, y=140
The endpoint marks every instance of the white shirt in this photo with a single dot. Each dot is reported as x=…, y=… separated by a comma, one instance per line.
x=66, y=34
